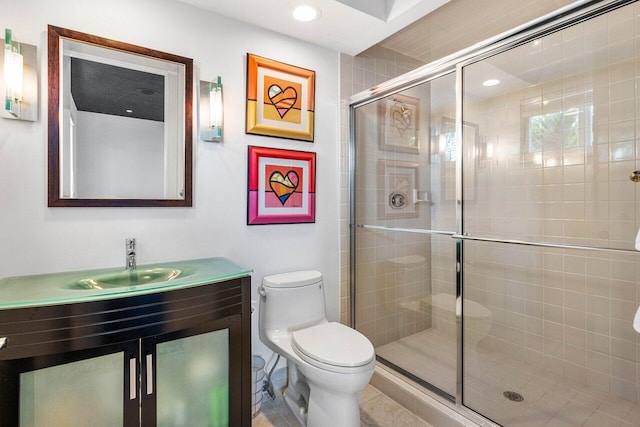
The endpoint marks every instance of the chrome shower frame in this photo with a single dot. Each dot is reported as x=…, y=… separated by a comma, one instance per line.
x=564, y=17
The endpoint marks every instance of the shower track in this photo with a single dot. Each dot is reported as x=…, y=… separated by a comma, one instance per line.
x=493, y=240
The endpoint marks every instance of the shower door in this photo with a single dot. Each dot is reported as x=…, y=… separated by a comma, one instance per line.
x=550, y=277
x=509, y=203
x=405, y=215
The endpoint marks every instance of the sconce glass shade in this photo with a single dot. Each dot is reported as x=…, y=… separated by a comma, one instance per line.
x=13, y=74
x=18, y=79
x=211, y=114
x=215, y=109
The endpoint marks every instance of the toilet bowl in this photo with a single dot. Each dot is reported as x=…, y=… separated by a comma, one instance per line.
x=328, y=363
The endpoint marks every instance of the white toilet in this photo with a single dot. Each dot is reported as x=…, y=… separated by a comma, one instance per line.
x=328, y=363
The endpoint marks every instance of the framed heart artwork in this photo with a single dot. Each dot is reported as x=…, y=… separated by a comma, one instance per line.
x=280, y=99
x=281, y=187
x=400, y=123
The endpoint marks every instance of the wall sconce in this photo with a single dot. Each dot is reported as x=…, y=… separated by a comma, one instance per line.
x=13, y=73
x=211, y=114
x=19, y=85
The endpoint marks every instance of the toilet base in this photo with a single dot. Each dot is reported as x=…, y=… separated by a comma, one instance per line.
x=326, y=409
x=297, y=406
x=330, y=409
x=313, y=406
x=296, y=394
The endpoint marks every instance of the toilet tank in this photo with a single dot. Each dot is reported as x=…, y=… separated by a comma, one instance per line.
x=291, y=301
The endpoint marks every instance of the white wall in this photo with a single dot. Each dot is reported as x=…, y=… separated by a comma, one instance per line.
x=37, y=239
x=113, y=152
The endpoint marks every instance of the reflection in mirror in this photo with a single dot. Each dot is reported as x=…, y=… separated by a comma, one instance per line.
x=119, y=123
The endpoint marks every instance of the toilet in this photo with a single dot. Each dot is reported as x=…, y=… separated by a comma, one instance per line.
x=328, y=364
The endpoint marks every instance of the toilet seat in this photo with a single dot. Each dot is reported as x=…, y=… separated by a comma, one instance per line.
x=333, y=347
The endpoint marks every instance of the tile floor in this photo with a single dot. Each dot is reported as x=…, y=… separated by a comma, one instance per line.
x=549, y=399
x=376, y=410
x=429, y=354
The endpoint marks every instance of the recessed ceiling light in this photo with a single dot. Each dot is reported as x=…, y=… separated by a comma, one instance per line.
x=129, y=111
x=306, y=13
x=491, y=82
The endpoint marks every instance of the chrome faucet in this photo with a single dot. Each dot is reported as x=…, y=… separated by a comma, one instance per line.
x=130, y=245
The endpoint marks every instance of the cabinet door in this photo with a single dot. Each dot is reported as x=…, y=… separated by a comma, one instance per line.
x=187, y=376
x=83, y=388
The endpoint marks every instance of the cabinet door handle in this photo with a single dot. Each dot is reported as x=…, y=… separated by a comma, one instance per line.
x=149, y=373
x=133, y=379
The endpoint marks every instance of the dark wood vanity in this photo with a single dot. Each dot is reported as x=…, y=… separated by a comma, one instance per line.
x=131, y=328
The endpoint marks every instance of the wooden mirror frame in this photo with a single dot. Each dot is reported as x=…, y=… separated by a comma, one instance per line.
x=54, y=199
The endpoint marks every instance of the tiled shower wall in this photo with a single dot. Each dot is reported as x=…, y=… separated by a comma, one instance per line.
x=454, y=26
x=567, y=311
x=392, y=268
x=358, y=73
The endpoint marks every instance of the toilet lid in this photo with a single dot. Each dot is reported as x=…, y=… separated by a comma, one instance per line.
x=334, y=344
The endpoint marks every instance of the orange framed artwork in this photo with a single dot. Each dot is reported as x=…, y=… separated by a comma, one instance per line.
x=280, y=99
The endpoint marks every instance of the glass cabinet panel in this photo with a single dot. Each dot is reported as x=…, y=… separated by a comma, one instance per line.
x=193, y=380
x=83, y=393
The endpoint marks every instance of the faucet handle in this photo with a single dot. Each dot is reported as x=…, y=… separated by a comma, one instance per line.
x=130, y=244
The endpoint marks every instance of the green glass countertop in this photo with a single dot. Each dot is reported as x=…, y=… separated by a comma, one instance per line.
x=67, y=287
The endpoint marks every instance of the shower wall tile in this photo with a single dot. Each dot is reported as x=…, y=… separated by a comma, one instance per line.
x=384, y=289
x=567, y=312
x=357, y=74
x=579, y=309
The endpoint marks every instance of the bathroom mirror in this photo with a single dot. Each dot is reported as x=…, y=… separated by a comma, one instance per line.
x=120, y=123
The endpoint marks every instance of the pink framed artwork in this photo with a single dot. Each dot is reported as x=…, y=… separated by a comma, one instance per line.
x=282, y=186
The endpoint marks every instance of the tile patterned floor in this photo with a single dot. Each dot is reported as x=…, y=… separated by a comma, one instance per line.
x=549, y=399
x=429, y=354
x=376, y=410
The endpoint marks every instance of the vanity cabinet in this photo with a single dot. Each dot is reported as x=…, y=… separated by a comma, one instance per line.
x=167, y=358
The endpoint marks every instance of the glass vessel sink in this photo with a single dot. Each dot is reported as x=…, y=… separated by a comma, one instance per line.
x=107, y=283
x=129, y=278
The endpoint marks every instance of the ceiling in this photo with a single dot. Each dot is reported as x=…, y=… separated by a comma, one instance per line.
x=349, y=26
x=121, y=92
x=421, y=29
x=463, y=23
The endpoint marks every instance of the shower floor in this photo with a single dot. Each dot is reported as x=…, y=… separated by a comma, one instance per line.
x=430, y=355
x=549, y=399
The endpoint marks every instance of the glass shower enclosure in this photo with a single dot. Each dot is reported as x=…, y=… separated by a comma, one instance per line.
x=493, y=222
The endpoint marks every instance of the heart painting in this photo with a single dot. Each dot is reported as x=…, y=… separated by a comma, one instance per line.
x=402, y=119
x=284, y=185
x=282, y=99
